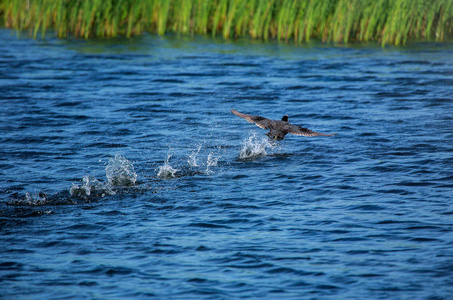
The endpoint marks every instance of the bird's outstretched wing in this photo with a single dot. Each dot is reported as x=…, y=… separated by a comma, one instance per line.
x=297, y=130
x=259, y=121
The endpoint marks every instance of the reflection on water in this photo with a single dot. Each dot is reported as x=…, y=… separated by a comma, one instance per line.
x=91, y=128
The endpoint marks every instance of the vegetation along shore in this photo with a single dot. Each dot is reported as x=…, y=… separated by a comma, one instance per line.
x=339, y=21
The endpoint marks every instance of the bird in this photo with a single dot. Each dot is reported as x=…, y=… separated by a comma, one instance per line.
x=278, y=129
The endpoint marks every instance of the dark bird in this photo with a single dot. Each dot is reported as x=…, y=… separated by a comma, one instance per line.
x=278, y=129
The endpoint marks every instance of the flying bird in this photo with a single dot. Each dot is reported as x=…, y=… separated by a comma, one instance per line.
x=278, y=129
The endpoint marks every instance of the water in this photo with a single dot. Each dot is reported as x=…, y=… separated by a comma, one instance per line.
x=123, y=173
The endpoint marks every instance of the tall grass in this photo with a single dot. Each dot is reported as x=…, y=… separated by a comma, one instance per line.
x=341, y=21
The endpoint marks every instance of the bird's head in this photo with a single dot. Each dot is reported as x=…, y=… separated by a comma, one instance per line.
x=285, y=118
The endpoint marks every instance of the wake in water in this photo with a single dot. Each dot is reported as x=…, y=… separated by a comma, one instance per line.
x=120, y=172
x=254, y=147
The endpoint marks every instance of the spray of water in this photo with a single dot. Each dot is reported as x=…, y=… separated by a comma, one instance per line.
x=197, y=162
x=120, y=172
x=166, y=171
x=254, y=147
x=91, y=187
x=193, y=160
x=35, y=198
x=199, y=159
x=212, y=161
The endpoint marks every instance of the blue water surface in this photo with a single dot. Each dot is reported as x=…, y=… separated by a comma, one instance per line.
x=217, y=211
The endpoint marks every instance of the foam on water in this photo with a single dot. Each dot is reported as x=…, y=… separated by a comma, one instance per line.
x=120, y=172
x=254, y=147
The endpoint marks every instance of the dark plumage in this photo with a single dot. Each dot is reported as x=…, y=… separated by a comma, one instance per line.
x=278, y=129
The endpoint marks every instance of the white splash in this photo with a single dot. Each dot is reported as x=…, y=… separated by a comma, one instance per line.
x=166, y=171
x=36, y=198
x=91, y=187
x=254, y=147
x=211, y=161
x=198, y=158
x=193, y=160
x=120, y=172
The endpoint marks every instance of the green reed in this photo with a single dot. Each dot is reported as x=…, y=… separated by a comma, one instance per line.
x=340, y=21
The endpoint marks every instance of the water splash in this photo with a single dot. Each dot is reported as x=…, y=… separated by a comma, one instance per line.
x=35, y=198
x=199, y=161
x=211, y=161
x=193, y=160
x=198, y=158
x=120, y=172
x=166, y=171
x=91, y=187
x=254, y=147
